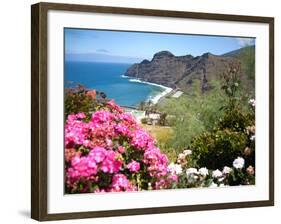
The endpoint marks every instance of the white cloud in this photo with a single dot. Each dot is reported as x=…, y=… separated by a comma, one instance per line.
x=243, y=42
x=102, y=50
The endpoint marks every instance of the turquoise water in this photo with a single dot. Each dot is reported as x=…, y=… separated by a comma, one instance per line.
x=106, y=77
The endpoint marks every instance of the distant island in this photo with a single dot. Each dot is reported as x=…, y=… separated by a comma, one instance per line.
x=180, y=71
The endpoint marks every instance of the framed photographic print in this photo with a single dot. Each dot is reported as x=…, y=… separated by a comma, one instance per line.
x=138, y=111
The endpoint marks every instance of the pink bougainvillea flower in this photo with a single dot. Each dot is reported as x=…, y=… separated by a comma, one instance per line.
x=111, y=104
x=121, y=149
x=69, y=153
x=71, y=117
x=81, y=115
x=122, y=129
x=110, y=164
x=141, y=139
x=102, y=116
x=100, y=153
x=109, y=143
x=82, y=167
x=99, y=190
x=133, y=166
x=121, y=183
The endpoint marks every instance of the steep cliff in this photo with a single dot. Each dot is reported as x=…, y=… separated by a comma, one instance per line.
x=180, y=71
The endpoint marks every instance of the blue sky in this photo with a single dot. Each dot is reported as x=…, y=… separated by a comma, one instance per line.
x=131, y=47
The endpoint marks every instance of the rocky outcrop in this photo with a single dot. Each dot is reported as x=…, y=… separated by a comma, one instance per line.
x=180, y=71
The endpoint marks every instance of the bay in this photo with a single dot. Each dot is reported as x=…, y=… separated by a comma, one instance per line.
x=108, y=78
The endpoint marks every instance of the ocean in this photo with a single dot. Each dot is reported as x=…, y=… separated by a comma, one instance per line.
x=109, y=78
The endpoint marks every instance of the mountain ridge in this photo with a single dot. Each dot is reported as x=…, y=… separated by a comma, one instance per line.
x=181, y=71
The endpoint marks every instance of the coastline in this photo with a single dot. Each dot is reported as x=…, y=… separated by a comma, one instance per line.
x=154, y=99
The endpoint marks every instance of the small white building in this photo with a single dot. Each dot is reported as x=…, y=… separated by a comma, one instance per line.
x=177, y=94
x=153, y=118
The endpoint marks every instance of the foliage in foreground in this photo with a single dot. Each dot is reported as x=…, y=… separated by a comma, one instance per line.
x=107, y=151
x=111, y=152
x=80, y=99
x=189, y=177
x=231, y=136
x=192, y=114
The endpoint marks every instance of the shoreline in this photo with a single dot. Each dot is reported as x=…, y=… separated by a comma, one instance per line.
x=154, y=99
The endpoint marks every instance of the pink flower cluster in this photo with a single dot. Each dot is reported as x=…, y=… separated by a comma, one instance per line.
x=111, y=152
x=121, y=183
x=98, y=159
x=133, y=166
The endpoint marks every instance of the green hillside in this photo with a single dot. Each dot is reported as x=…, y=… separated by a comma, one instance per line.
x=247, y=57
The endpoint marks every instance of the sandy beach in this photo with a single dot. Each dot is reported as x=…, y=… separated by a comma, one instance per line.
x=154, y=99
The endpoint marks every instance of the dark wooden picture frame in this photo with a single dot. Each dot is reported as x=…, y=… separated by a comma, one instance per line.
x=39, y=121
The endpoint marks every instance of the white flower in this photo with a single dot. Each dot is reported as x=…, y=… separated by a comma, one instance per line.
x=252, y=138
x=239, y=163
x=190, y=171
x=203, y=171
x=187, y=152
x=226, y=170
x=217, y=173
x=181, y=156
x=213, y=185
x=252, y=102
x=175, y=168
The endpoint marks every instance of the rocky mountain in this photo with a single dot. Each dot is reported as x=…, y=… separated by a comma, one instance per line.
x=180, y=71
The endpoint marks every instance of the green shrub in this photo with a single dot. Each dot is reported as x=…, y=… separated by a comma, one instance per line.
x=171, y=120
x=80, y=99
x=183, y=132
x=144, y=120
x=236, y=120
x=193, y=113
x=240, y=177
x=218, y=148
